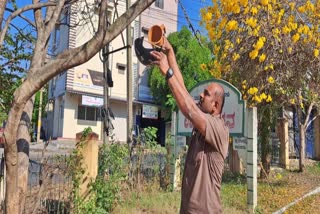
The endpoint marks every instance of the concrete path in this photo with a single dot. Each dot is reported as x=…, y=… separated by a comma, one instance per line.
x=316, y=191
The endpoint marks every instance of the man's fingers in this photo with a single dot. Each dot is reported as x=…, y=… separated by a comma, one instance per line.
x=155, y=63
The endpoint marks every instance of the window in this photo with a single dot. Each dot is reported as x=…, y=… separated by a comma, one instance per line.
x=159, y=3
x=121, y=68
x=56, y=38
x=88, y=113
x=145, y=31
x=136, y=29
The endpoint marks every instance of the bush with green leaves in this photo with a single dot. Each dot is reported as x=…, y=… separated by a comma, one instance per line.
x=105, y=190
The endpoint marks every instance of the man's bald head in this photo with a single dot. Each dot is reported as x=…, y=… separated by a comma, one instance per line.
x=218, y=92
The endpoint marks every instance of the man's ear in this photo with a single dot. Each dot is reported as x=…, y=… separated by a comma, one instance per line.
x=217, y=104
x=214, y=106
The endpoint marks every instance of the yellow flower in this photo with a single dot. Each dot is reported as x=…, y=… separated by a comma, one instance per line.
x=262, y=58
x=208, y=16
x=244, y=82
x=293, y=26
x=243, y=3
x=290, y=50
x=203, y=66
x=271, y=80
x=235, y=56
x=295, y=37
x=232, y=25
x=269, y=99
x=253, y=54
x=276, y=31
x=292, y=5
x=316, y=52
x=264, y=2
x=254, y=10
x=257, y=99
x=301, y=106
x=252, y=22
x=271, y=66
x=278, y=176
x=292, y=101
x=286, y=30
x=252, y=90
x=305, y=29
x=302, y=9
x=263, y=96
x=260, y=43
x=246, y=10
x=238, y=40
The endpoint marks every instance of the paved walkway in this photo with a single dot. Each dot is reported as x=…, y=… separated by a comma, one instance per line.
x=316, y=191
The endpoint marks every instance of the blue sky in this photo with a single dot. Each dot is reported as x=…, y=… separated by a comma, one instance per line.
x=192, y=8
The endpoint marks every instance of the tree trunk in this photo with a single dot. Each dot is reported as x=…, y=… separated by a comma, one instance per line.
x=23, y=142
x=11, y=160
x=302, y=136
x=265, y=132
x=11, y=184
x=16, y=155
x=266, y=159
x=40, y=73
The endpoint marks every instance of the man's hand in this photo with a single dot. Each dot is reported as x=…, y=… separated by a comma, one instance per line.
x=166, y=47
x=161, y=60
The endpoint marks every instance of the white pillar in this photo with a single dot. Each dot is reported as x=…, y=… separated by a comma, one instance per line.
x=173, y=164
x=251, y=125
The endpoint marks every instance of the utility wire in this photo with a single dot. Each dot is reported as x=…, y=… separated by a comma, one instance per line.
x=195, y=32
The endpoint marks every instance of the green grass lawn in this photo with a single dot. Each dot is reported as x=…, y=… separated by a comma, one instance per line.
x=279, y=190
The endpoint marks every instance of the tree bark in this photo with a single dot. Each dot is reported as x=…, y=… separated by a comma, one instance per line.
x=23, y=143
x=3, y=4
x=266, y=160
x=265, y=132
x=40, y=73
x=302, y=137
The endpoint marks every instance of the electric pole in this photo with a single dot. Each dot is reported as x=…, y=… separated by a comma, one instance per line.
x=129, y=80
x=39, y=117
x=105, y=57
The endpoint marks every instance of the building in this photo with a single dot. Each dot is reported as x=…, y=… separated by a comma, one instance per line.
x=76, y=96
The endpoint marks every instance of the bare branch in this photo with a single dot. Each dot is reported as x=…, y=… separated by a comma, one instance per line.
x=23, y=17
x=315, y=117
x=54, y=18
x=18, y=12
x=2, y=7
x=38, y=19
x=76, y=56
x=19, y=31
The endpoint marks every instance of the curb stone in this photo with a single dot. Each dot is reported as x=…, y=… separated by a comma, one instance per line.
x=315, y=191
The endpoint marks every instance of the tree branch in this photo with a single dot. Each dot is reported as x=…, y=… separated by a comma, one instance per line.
x=18, y=12
x=305, y=124
x=23, y=17
x=19, y=31
x=2, y=8
x=76, y=56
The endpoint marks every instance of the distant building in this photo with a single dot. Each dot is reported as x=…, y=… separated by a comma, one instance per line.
x=77, y=94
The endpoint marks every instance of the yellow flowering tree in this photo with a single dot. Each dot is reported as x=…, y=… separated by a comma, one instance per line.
x=269, y=49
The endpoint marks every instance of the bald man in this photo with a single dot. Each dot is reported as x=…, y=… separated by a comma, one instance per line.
x=208, y=147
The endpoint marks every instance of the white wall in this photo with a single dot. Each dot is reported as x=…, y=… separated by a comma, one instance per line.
x=72, y=125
